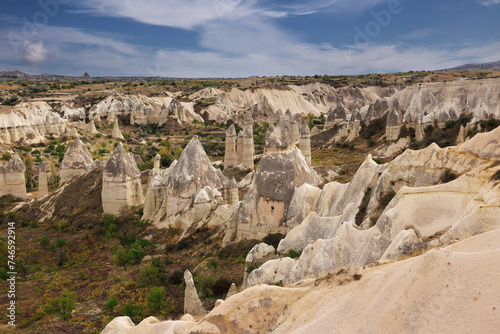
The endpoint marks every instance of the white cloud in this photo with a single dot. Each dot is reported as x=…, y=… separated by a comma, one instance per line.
x=34, y=53
x=417, y=34
x=489, y=2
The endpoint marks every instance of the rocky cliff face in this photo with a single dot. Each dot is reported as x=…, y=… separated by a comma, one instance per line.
x=30, y=122
x=184, y=185
x=144, y=110
x=76, y=161
x=12, y=179
x=121, y=186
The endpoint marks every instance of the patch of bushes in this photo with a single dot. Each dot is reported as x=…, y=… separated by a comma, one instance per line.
x=294, y=254
x=63, y=306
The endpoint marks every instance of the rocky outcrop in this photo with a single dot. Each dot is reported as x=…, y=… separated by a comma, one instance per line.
x=12, y=178
x=264, y=209
x=144, y=110
x=30, y=122
x=192, y=303
x=43, y=189
x=305, y=142
x=447, y=101
x=117, y=134
x=230, y=157
x=186, y=185
x=76, y=160
x=121, y=182
x=394, y=123
x=335, y=116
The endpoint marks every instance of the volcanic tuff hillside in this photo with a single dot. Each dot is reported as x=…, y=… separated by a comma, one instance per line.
x=381, y=173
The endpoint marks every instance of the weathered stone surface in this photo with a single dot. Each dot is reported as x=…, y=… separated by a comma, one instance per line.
x=305, y=142
x=75, y=162
x=12, y=178
x=271, y=272
x=405, y=243
x=121, y=182
x=304, y=201
x=192, y=303
x=265, y=206
x=230, y=158
x=43, y=189
x=117, y=134
x=119, y=325
x=280, y=137
x=311, y=229
x=394, y=123
x=171, y=196
x=232, y=291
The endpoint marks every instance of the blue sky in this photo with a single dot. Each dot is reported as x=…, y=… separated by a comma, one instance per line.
x=239, y=38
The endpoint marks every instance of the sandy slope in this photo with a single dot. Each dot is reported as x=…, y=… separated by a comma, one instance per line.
x=447, y=290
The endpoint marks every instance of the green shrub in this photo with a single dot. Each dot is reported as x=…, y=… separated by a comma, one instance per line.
x=294, y=254
x=98, y=135
x=111, y=303
x=156, y=300
x=205, y=285
x=63, y=305
x=6, y=155
x=149, y=275
x=44, y=241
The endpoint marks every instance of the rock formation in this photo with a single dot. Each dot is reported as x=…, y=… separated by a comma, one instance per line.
x=121, y=182
x=305, y=142
x=117, y=134
x=394, y=123
x=230, y=158
x=144, y=110
x=192, y=303
x=12, y=178
x=335, y=116
x=265, y=206
x=29, y=121
x=192, y=182
x=91, y=127
x=75, y=162
x=43, y=189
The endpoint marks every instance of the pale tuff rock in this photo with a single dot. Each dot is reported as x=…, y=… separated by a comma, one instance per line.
x=192, y=303
x=377, y=110
x=91, y=127
x=311, y=229
x=296, y=132
x=43, y=189
x=258, y=255
x=405, y=243
x=446, y=101
x=335, y=116
x=150, y=325
x=288, y=116
x=12, y=178
x=71, y=132
x=30, y=122
x=121, y=182
x=305, y=142
x=314, y=131
x=144, y=110
x=157, y=162
x=265, y=206
x=176, y=196
x=119, y=325
x=231, y=194
x=116, y=131
x=75, y=162
x=419, y=132
x=304, y=201
x=247, y=150
x=461, y=135
x=279, y=138
x=230, y=158
x=394, y=123
x=271, y=272
x=232, y=291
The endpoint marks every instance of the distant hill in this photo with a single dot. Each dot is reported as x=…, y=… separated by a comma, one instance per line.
x=484, y=66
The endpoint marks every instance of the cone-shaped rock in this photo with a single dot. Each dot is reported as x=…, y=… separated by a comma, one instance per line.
x=116, y=131
x=75, y=161
x=12, y=179
x=43, y=189
x=121, y=182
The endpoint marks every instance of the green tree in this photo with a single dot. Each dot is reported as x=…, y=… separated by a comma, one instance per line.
x=123, y=257
x=28, y=172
